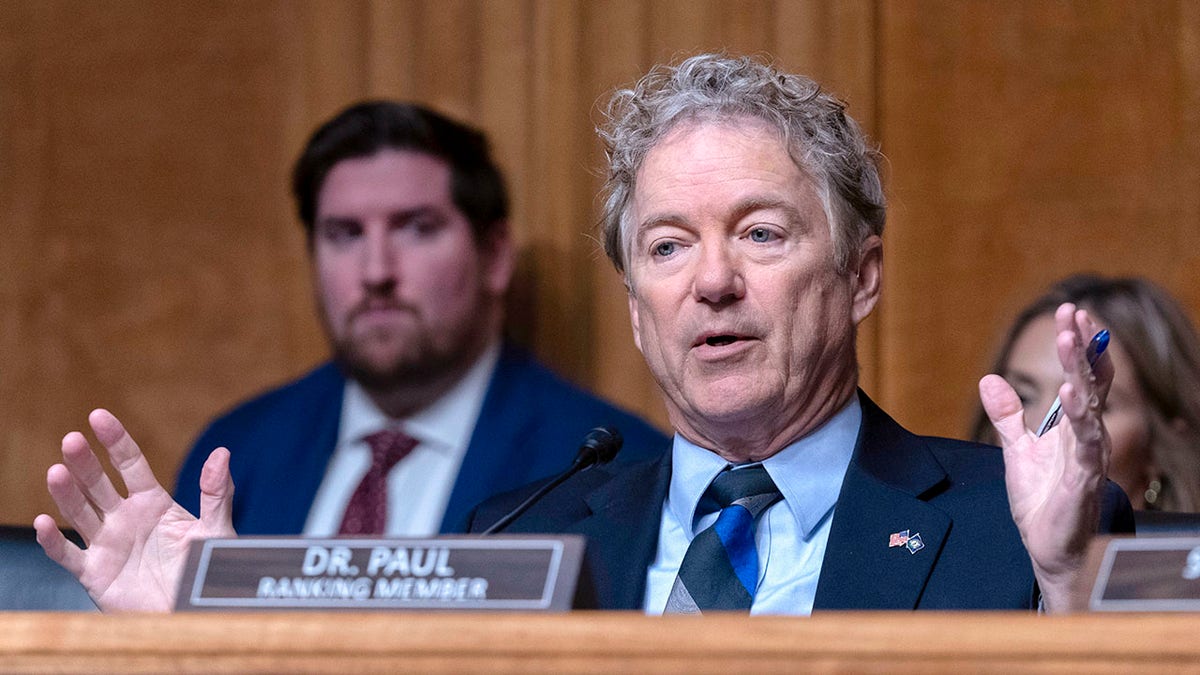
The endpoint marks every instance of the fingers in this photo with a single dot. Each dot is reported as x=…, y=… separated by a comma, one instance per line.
x=81, y=488
x=216, y=493
x=1085, y=388
x=1069, y=341
x=72, y=503
x=125, y=454
x=86, y=471
x=1003, y=408
x=1075, y=332
x=57, y=547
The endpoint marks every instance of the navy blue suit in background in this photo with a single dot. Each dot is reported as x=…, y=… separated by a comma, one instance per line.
x=951, y=492
x=529, y=427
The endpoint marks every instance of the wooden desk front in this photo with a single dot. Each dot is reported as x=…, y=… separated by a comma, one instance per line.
x=587, y=642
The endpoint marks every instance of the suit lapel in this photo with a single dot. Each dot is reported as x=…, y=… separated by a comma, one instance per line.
x=493, y=442
x=884, y=492
x=305, y=439
x=622, y=532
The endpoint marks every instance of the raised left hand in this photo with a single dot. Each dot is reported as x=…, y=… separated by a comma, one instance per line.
x=1056, y=482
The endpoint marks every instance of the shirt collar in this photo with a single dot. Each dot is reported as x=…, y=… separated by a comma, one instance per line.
x=444, y=423
x=808, y=472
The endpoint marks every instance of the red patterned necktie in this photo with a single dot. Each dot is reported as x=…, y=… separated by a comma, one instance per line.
x=367, y=511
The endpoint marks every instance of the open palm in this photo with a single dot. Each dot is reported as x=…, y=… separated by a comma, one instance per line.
x=1055, y=481
x=136, y=545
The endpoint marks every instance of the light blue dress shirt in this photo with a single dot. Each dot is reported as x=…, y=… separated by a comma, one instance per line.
x=791, y=535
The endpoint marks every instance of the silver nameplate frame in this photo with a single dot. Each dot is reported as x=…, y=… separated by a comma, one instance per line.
x=502, y=573
x=1148, y=574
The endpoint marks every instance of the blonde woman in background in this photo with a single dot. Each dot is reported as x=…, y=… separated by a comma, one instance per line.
x=1153, y=409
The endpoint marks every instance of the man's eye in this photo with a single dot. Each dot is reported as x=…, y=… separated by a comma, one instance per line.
x=1027, y=397
x=426, y=225
x=340, y=232
x=664, y=248
x=761, y=235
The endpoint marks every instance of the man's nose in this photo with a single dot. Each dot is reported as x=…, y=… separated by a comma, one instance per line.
x=379, y=266
x=718, y=278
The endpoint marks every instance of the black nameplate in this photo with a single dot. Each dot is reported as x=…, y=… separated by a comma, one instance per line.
x=1150, y=574
x=513, y=573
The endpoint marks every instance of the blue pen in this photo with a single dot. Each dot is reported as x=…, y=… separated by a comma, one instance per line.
x=1094, y=349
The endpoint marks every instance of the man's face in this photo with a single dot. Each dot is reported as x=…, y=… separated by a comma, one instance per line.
x=735, y=299
x=406, y=292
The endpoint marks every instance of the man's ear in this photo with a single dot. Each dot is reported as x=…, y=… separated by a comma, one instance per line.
x=633, y=318
x=868, y=277
x=499, y=257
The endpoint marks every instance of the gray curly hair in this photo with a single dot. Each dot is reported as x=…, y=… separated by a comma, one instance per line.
x=822, y=140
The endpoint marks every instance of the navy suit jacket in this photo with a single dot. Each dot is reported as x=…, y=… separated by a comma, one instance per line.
x=530, y=426
x=950, y=492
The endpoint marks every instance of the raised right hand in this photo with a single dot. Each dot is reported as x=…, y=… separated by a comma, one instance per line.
x=135, y=545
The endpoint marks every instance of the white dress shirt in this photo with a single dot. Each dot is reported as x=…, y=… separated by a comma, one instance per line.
x=419, y=485
x=791, y=535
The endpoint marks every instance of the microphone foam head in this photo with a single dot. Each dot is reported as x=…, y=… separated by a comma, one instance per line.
x=601, y=444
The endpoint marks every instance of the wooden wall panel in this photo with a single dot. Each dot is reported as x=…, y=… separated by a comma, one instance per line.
x=613, y=52
x=154, y=243
x=556, y=207
x=1027, y=141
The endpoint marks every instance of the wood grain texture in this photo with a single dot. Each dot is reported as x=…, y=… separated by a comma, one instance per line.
x=593, y=642
x=151, y=261
x=1027, y=141
x=157, y=255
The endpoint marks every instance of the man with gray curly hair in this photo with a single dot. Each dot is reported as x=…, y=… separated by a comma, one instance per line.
x=745, y=210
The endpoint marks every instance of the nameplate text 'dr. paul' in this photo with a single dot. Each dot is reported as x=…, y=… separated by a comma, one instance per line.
x=521, y=573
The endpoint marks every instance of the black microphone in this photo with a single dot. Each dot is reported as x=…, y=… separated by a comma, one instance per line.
x=599, y=446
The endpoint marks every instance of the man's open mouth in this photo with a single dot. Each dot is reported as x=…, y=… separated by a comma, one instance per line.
x=721, y=340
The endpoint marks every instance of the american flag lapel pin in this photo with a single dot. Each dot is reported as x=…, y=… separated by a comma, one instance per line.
x=898, y=539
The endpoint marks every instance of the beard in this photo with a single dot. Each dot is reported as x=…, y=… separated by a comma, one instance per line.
x=379, y=362
x=415, y=358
